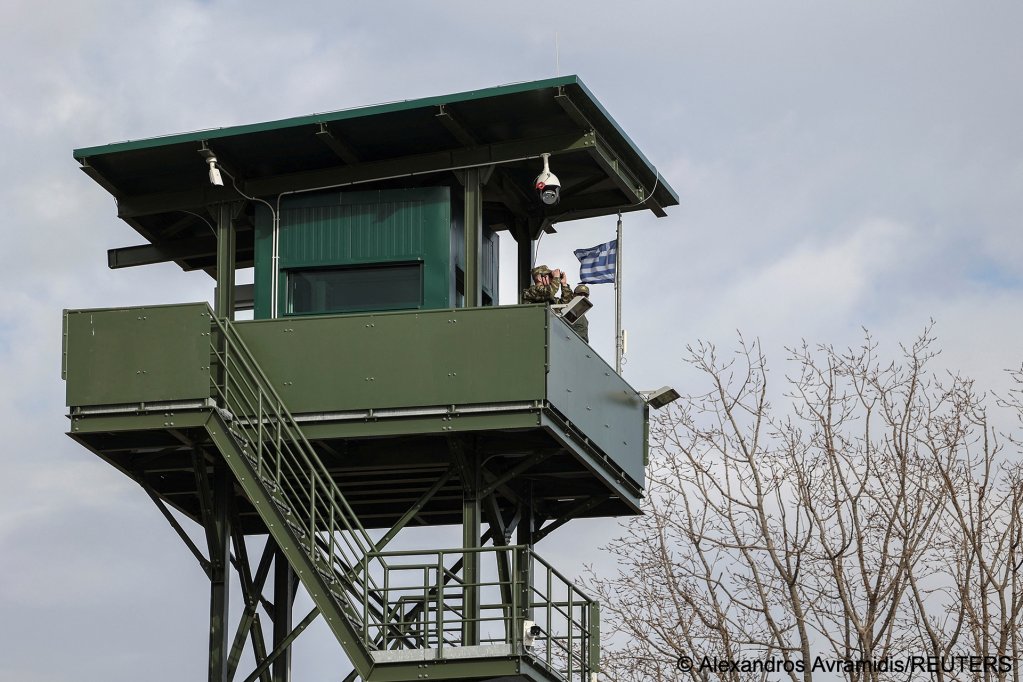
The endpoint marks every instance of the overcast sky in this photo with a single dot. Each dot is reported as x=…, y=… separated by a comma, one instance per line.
x=840, y=165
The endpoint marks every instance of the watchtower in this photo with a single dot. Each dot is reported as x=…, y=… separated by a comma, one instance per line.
x=379, y=384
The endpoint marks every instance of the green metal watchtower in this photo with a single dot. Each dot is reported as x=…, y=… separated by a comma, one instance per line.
x=379, y=384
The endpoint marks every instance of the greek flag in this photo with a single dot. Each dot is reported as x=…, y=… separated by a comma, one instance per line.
x=597, y=263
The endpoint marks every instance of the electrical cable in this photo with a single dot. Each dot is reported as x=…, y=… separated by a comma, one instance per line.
x=657, y=179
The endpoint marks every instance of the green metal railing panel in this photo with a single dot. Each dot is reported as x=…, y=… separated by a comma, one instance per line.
x=596, y=400
x=422, y=595
x=134, y=355
x=403, y=359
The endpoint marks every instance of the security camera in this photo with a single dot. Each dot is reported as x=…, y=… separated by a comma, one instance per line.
x=215, y=177
x=547, y=183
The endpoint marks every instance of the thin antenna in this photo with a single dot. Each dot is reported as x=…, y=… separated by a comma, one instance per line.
x=557, y=56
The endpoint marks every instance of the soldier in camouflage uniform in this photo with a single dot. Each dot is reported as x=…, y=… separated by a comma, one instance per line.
x=582, y=325
x=545, y=286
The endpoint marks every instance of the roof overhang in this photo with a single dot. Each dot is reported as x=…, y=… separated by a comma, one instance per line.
x=162, y=188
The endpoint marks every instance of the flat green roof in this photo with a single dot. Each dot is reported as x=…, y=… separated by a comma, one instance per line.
x=159, y=182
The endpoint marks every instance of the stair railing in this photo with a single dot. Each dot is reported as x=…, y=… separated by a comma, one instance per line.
x=299, y=484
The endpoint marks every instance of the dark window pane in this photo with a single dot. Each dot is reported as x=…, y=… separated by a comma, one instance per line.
x=378, y=287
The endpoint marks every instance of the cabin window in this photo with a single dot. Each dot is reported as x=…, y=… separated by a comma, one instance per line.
x=390, y=286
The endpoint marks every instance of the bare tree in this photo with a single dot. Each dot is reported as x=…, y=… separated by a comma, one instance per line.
x=868, y=521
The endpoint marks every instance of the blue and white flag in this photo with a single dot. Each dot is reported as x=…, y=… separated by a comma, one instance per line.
x=597, y=263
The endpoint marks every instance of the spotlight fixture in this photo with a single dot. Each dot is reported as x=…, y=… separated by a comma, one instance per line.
x=661, y=397
x=573, y=310
x=530, y=631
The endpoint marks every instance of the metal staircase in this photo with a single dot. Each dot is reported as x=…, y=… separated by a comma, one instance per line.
x=293, y=493
x=394, y=613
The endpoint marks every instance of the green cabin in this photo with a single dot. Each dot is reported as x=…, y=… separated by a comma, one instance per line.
x=378, y=386
x=344, y=252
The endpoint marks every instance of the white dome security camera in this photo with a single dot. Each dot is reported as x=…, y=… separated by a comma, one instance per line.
x=547, y=183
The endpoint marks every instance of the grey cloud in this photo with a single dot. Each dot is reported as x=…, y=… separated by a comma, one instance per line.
x=878, y=144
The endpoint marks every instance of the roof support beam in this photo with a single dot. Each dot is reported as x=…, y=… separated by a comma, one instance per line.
x=337, y=145
x=454, y=126
x=148, y=254
x=513, y=195
x=420, y=164
x=622, y=178
x=338, y=176
x=566, y=516
x=99, y=178
x=163, y=252
x=617, y=170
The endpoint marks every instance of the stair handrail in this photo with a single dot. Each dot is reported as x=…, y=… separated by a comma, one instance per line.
x=266, y=406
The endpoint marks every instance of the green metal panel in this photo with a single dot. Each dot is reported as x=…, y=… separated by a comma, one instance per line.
x=595, y=399
x=133, y=355
x=403, y=359
x=363, y=428
x=358, y=228
x=138, y=422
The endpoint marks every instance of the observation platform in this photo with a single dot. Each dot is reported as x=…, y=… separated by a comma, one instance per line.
x=379, y=397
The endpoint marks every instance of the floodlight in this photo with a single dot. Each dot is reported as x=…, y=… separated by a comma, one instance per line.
x=661, y=397
x=573, y=310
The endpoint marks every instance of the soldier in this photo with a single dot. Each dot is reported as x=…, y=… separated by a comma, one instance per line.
x=545, y=286
x=582, y=325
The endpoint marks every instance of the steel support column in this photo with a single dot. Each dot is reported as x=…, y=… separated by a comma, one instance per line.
x=467, y=460
x=524, y=537
x=473, y=237
x=524, y=255
x=224, y=302
x=223, y=490
x=284, y=601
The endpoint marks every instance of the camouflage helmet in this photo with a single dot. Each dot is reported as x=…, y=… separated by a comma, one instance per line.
x=539, y=270
x=582, y=290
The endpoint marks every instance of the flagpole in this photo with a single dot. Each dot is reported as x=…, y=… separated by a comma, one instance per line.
x=619, y=339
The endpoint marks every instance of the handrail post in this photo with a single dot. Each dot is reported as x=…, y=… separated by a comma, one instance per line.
x=525, y=575
x=259, y=435
x=593, y=662
x=570, y=627
x=515, y=633
x=550, y=606
x=439, y=592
